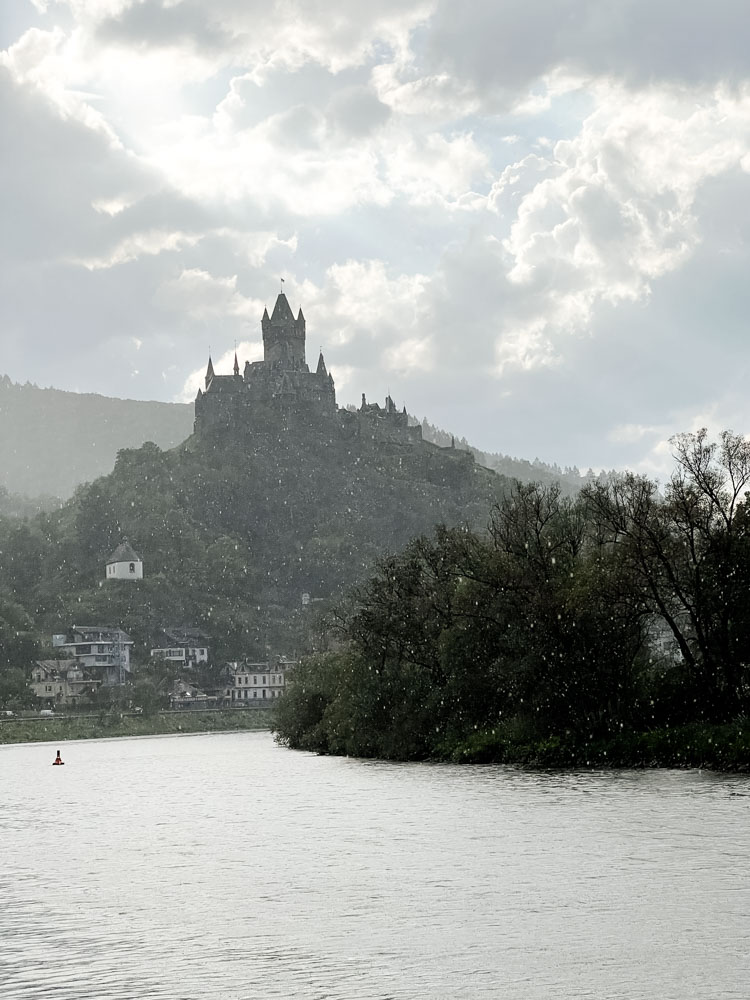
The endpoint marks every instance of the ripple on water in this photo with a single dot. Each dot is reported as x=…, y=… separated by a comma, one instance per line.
x=226, y=867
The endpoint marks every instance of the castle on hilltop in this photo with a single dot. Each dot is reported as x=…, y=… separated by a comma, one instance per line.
x=281, y=391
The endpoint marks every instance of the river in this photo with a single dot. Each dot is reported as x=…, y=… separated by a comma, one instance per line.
x=223, y=866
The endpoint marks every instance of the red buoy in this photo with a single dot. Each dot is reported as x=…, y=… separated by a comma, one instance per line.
x=58, y=759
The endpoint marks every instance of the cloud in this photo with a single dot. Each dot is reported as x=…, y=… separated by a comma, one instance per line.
x=223, y=365
x=611, y=211
x=526, y=220
x=206, y=297
x=278, y=34
x=503, y=50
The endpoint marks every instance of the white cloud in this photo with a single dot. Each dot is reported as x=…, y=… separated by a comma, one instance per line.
x=149, y=243
x=611, y=211
x=204, y=297
x=223, y=365
x=412, y=354
x=353, y=150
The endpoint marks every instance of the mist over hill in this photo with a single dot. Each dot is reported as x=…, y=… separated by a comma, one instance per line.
x=52, y=441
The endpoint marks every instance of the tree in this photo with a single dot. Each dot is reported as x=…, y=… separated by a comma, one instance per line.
x=689, y=553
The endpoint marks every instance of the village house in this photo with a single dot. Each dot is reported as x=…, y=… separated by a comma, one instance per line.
x=183, y=647
x=102, y=651
x=256, y=683
x=188, y=696
x=62, y=682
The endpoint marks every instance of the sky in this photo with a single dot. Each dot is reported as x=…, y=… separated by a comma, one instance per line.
x=526, y=220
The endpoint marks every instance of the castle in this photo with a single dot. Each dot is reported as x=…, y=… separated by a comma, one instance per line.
x=280, y=392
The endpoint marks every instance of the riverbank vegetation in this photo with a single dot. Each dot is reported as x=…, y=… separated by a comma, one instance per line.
x=609, y=628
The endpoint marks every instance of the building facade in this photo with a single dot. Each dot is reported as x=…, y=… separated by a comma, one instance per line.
x=254, y=684
x=102, y=652
x=184, y=647
x=62, y=682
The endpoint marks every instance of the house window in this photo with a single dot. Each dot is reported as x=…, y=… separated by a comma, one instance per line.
x=132, y=567
x=255, y=678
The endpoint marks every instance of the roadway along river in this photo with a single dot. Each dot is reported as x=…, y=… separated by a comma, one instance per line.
x=224, y=866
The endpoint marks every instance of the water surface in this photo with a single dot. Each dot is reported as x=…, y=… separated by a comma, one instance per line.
x=223, y=866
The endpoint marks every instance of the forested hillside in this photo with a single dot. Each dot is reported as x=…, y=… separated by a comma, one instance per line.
x=51, y=441
x=233, y=532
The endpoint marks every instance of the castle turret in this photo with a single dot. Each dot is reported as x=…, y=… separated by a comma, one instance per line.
x=284, y=336
x=321, y=369
x=236, y=364
x=209, y=372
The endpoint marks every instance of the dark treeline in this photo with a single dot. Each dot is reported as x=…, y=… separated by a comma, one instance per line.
x=568, y=623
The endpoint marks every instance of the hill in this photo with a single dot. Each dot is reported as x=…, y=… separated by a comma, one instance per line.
x=234, y=529
x=53, y=440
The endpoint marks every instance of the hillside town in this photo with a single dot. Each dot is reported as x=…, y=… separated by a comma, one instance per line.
x=92, y=661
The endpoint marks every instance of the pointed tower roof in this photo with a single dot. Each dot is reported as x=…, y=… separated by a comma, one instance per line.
x=209, y=371
x=321, y=369
x=282, y=312
x=236, y=364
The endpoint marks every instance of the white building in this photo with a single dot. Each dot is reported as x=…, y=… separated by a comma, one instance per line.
x=124, y=564
x=184, y=647
x=102, y=651
x=254, y=683
x=61, y=682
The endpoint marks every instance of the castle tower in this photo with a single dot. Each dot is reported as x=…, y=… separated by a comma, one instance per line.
x=284, y=337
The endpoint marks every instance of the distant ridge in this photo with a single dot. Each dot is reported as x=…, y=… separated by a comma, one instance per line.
x=51, y=440
x=570, y=479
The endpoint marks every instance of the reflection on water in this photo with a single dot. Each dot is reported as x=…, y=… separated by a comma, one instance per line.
x=223, y=866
